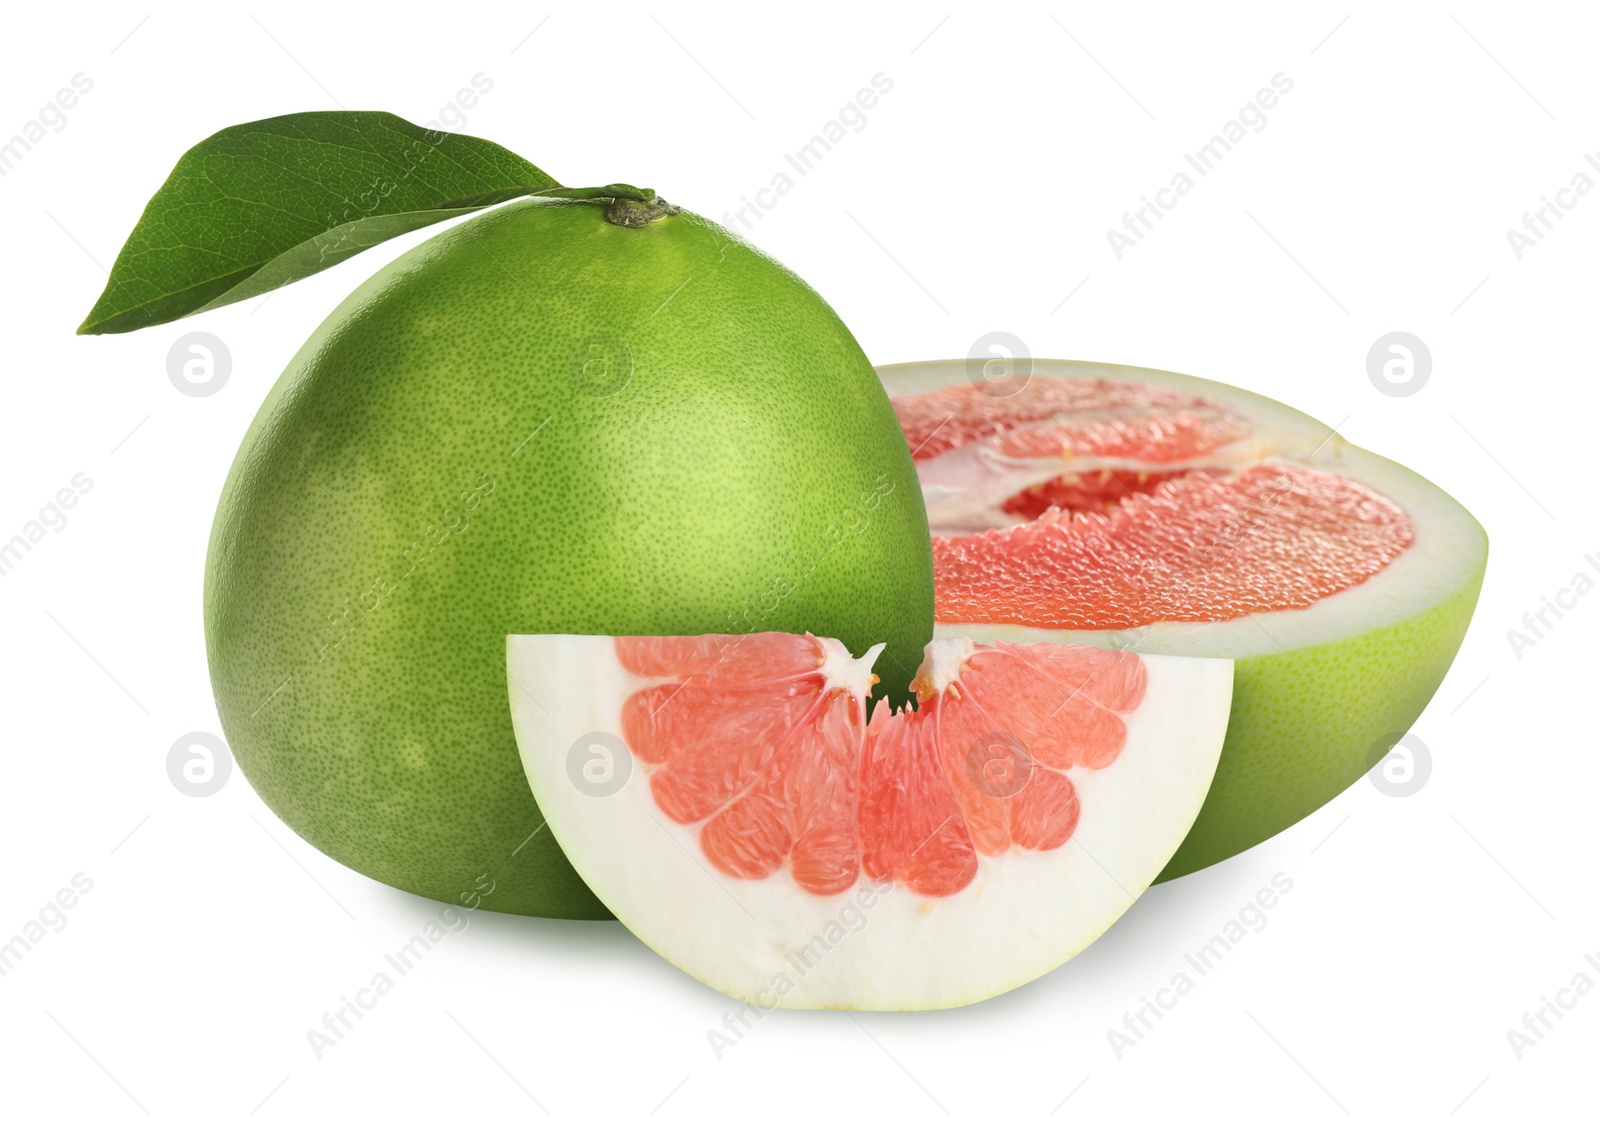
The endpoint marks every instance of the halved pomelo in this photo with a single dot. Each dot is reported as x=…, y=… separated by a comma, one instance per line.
x=1105, y=504
x=727, y=799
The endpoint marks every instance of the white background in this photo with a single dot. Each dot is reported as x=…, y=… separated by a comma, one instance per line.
x=976, y=198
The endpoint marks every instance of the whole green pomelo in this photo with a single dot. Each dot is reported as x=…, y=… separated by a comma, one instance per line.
x=539, y=421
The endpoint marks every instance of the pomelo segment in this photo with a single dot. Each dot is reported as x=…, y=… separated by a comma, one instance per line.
x=727, y=799
x=765, y=753
x=1104, y=504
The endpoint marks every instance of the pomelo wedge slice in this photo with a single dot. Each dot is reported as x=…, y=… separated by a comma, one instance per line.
x=1105, y=504
x=727, y=799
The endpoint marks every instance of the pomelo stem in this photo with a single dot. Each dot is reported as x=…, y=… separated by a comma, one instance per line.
x=628, y=213
x=603, y=192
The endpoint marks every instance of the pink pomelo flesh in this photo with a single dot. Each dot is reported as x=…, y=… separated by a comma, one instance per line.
x=913, y=798
x=1161, y=518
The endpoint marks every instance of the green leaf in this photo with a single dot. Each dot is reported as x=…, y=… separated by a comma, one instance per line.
x=260, y=205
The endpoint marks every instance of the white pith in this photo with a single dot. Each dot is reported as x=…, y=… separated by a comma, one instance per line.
x=1445, y=557
x=843, y=672
x=942, y=660
x=1022, y=915
x=964, y=487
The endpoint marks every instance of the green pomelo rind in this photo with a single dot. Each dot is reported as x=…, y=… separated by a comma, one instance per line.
x=1313, y=709
x=431, y=473
x=1309, y=722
